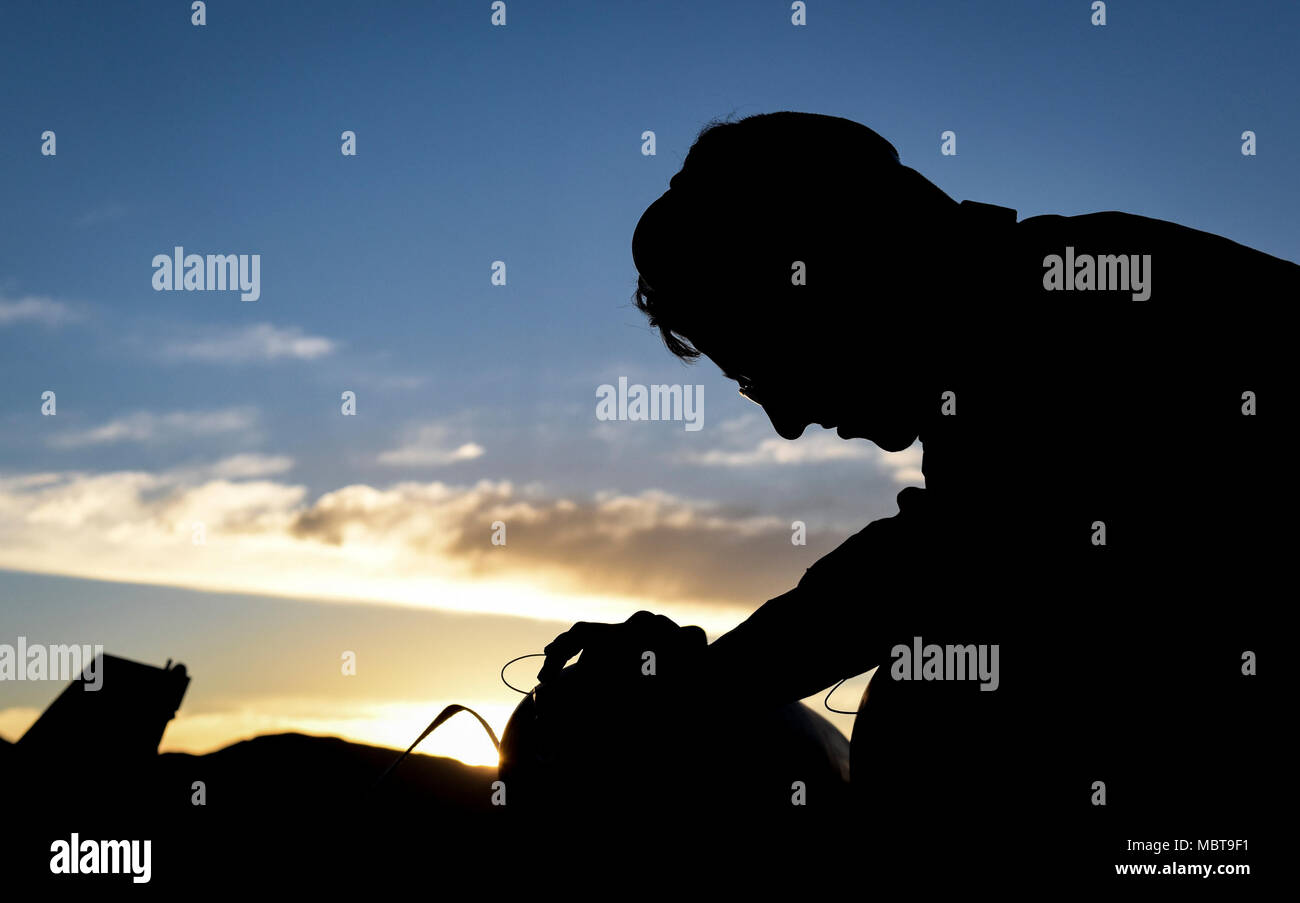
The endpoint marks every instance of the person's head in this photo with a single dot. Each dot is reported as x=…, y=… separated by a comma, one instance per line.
x=796, y=252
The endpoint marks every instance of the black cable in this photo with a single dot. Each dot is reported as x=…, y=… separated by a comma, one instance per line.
x=434, y=724
x=827, y=701
x=452, y=710
x=511, y=662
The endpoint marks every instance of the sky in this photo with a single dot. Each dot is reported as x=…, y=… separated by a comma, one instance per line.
x=476, y=402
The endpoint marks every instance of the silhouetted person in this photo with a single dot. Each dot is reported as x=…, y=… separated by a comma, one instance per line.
x=1099, y=471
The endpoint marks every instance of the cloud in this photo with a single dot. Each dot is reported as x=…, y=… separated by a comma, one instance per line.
x=431, y=445
x=742, y=449
x=411, y=543
x=903, y=466
x=242, y=466
x=144, y=426
x=812, y=449
x=650, y=544
x=237, y=467
x=32, y=309
x=106, y=214
x=259, y=342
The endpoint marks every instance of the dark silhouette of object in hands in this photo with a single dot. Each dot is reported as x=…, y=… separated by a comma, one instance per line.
x=1100, y=467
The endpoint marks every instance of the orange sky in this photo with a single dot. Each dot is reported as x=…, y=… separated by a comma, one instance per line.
x=265, y=665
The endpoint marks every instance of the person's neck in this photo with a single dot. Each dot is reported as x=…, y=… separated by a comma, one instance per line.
x=1002, y=448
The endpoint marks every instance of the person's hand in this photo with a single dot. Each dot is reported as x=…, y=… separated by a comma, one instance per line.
x=618, y=711
x=618, y=652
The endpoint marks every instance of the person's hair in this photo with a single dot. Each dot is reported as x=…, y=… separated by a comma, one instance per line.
x=754, y=195
x=646, y=301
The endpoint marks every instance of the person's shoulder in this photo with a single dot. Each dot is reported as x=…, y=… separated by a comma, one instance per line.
x=1203, y=280
x=1131, y=233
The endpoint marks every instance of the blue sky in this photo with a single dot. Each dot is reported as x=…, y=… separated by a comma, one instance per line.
x=520, y=144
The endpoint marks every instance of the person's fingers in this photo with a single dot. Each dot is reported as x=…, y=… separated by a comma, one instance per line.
x=644, y=630
x=666, y=625
x=664, y=635
x=659, y=628
x=567, y=645
x=693, y=636
x=559, y=650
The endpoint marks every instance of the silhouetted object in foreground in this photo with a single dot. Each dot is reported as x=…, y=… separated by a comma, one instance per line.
x=1098, y=398
x=123, y=720
x=613, y=744
x=293, y=808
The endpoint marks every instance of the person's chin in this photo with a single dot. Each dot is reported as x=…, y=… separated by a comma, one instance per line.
x=894, y=442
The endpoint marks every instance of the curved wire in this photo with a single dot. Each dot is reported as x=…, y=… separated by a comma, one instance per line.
x=433, y=725
x=511, y=662
x=452, y=710
x=827, y=701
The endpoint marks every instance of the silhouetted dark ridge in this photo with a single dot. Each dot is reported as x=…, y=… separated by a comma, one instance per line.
x=302, y=770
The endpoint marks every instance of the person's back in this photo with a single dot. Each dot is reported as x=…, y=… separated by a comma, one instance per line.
x=1100, y=511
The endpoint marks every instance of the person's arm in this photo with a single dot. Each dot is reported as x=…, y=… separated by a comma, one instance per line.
x=793, y=646
x=838, y=622
x=835, y=624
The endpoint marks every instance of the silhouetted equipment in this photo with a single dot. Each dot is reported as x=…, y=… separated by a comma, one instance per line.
x=122, y=721
x=584, y=743
x=573, y=752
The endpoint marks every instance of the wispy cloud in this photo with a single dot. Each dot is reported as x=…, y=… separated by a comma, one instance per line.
x=903, y=466
x=105, y=214
x=34, y=309
x=432, y=445
x=259, y=342
x=812, y=449
x=144, y=426
x=236, y=467
x=742, y=449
